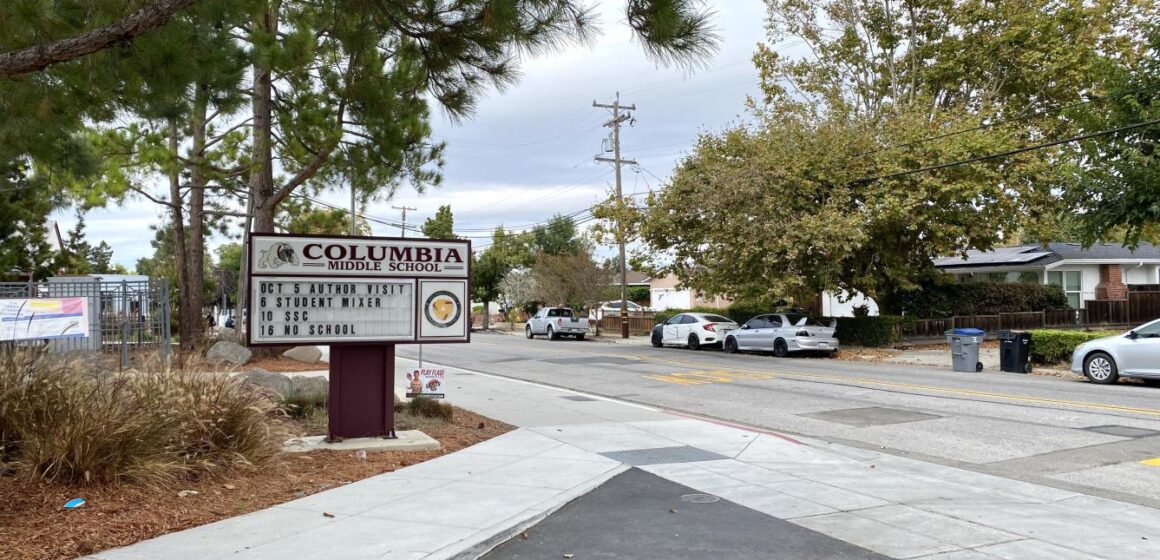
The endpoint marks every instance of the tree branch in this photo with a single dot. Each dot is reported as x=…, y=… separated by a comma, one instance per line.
x=151, y=198
x=39, y=57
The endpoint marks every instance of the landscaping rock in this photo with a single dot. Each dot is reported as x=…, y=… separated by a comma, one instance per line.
x=307, y=354
x=275, y=382
x=230, y=352
x=309, y=385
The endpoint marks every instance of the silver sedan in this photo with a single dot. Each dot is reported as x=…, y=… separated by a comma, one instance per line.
x=782, y=333
x=1135, y=353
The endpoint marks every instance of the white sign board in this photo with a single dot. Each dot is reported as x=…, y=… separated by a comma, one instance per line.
x=426, y=383
x=326, y=290
x=44, y=318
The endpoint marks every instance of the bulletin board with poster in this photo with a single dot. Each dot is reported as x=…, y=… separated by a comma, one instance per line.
x=333, y=290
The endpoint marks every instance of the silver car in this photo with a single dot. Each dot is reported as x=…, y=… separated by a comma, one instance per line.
x=1132, y=354
x=782, y=333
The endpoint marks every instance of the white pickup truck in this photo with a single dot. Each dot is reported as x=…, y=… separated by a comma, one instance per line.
x=556, y=321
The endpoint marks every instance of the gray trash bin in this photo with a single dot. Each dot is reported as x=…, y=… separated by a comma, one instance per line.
x=965, y=349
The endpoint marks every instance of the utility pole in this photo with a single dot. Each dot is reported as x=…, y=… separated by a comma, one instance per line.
x=403, y=228
x=616, y=162
x=353, y=213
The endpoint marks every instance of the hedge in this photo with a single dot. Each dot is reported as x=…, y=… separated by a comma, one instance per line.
x=940, y=299
x=1054, y=346
x=738, y=312
x=874, y=332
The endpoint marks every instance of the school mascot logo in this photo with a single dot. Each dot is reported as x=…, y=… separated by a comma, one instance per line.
x=442, y=309
x=277, y=255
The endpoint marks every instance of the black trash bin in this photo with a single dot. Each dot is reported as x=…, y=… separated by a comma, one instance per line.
x=1015, y=351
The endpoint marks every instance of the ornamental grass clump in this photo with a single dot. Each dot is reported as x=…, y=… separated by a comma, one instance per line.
x=60, y=421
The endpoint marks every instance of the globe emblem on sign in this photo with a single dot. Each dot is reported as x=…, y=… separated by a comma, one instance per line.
x=442, y=309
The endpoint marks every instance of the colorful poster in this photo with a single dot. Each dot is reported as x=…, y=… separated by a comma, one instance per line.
x=44, y=318
x=426, y=383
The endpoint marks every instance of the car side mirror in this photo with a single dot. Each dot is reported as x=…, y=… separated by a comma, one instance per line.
x=745, y=326
x=1133, y=335
x=833, y=323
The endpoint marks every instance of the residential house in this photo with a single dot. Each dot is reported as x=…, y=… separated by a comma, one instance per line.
x=667, y=293
x=1101, y=272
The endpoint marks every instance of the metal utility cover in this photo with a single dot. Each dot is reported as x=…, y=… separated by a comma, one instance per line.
x=870, y=416
x=663, y=456
x=579, y=398
x=1123, y=431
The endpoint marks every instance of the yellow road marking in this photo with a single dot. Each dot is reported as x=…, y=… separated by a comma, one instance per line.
x=706, y=377
x=1151, y=462
x=893, y=384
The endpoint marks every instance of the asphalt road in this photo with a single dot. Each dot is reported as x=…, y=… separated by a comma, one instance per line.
x=638, y=515
x=1062, y=433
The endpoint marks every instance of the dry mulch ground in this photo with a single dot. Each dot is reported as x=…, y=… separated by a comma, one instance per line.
x=33, y=524
x=283, y=365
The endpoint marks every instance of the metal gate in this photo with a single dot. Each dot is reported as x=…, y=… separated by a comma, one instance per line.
x=124, y=316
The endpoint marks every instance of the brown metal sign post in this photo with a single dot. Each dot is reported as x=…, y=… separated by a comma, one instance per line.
x=361, y=296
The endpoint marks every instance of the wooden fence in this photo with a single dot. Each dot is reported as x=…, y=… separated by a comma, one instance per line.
x=638, y=323
x=1108, y=312
x=1144, y=304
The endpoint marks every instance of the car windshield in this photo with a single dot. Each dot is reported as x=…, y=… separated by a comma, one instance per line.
x=800, y=320
x=716, y=319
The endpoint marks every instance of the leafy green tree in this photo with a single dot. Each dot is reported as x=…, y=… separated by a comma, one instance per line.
x=441, y=225
x=819, y=190
x=489, y=267
x=1118, y=192
x=101, y=259
x=558, y=237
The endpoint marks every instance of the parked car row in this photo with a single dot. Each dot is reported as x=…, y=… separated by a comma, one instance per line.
x=777, y=333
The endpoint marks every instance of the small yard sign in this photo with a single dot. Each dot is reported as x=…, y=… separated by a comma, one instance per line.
x=426, y=383
x=328, y=290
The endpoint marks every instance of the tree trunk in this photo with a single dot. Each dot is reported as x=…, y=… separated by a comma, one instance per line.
x=262, y=175
x=194, y=256
x=486, y=305
x=189, y=317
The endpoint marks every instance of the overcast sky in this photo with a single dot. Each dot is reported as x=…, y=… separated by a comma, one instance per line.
x=527, y=153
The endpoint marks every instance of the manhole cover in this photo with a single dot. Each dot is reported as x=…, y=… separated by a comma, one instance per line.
x=700, y=499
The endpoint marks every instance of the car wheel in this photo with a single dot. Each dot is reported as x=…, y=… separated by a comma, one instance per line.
x=528, y=332
x=832, y=354
x=1100, y=368
x=579, y=337
x=552, y=334
x=694, y=342
x=780, y=348
x=731, y=345
x=1026, y=368
x=656, y=340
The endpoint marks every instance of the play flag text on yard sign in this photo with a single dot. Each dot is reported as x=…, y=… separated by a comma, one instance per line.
x=331, y=290
x=427, y=383
x=44, y=318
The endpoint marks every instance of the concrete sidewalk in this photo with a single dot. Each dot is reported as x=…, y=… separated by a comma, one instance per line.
x=463, y=504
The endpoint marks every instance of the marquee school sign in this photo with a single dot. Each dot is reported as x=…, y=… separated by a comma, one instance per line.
x=333, y=290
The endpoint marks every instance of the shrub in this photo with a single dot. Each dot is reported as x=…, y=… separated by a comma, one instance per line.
x=1053, y=346
x=430, y=408
x=62, y=423
x=874, y=332
x=942, y=298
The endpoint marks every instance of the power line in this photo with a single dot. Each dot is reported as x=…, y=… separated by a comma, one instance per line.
x=1011, y=152
x=1007, y=121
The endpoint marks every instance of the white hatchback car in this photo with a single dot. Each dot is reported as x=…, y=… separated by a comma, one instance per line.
x=1132, y=354
x=693, y=330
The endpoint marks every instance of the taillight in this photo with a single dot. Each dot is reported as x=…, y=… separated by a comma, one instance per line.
x=803, y=333
x=709, y=326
